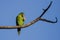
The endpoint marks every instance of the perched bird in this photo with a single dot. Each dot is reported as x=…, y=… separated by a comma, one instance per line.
x=20, y=21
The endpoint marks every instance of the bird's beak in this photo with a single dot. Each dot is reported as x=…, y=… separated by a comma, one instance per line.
x=24, y=18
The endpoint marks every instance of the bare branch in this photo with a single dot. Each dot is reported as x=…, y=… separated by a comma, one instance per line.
x=49, y=20
x=24, y=26
x=46, y=9
x=32, y=22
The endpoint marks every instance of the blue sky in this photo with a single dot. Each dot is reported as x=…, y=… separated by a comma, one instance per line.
x=9, y=9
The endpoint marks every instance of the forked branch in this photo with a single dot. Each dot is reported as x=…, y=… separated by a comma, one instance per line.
x=32, y=22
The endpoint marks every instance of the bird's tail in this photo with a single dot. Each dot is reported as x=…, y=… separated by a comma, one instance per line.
x=19, y=30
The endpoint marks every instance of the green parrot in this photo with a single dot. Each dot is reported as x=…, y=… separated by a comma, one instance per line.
x=20, y=21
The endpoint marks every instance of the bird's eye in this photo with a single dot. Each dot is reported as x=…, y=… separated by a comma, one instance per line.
x=22, y=15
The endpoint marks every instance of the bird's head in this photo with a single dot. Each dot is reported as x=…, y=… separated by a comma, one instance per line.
x=22, y=15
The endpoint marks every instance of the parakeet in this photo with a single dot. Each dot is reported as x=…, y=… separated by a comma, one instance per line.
x=20, y=21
